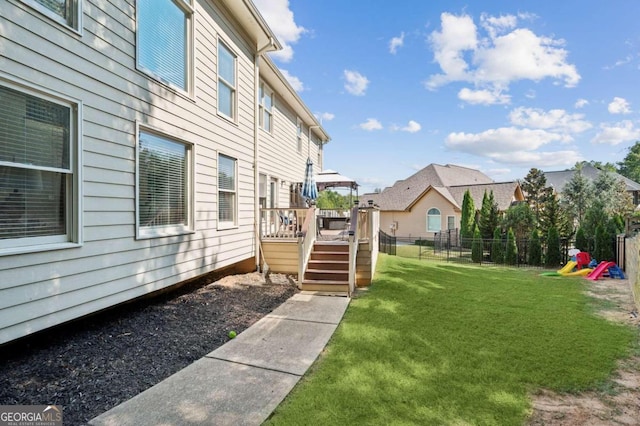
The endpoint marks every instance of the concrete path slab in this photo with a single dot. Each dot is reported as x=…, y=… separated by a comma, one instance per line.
x=243, y=381
x=278, y=344
x=307, y=307
x=208, y=392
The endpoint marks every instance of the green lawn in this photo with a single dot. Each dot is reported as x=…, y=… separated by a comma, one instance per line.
x=434, y=343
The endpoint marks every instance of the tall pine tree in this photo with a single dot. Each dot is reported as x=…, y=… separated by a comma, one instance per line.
x=468, y=216
x=489, y=216
x=535, y=188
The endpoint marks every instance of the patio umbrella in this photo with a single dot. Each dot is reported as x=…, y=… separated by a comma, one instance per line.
x=309, y=188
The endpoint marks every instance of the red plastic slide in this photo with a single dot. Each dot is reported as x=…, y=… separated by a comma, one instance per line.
x=600, y=270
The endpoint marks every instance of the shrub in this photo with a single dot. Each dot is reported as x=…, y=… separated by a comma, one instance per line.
x=603, y=250
x=476, y=246
x=511, y=256
x=582, y=243
x=535, y=249
x=553, y=256
x=497, y=247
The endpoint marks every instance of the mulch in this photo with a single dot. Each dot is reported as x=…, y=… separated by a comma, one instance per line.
x=91, y=365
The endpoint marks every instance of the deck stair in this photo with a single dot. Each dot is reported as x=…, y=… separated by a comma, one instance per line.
x=328, y=268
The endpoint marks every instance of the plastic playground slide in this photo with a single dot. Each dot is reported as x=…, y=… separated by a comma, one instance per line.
x=567, y=268
x=579, y=273
x=599, y=271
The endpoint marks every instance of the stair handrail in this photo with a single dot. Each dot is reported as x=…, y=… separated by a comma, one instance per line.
x=353, y=249
x=306, y=240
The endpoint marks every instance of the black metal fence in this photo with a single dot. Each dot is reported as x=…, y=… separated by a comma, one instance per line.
x=449, y=247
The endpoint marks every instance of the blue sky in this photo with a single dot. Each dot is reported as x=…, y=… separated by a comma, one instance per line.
x=499, y=86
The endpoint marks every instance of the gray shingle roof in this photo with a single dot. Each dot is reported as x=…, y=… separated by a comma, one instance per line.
x=559, y=179
x=450, y=180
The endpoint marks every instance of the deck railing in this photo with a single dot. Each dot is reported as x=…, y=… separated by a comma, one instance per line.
x=306, y=240
x=281, y=223
x=354, y=240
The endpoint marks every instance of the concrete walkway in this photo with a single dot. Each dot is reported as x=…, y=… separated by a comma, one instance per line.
x=243, y=381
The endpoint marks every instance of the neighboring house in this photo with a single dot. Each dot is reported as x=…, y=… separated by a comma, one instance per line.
x=558, y=179
x=430, y=201
x=137, y=141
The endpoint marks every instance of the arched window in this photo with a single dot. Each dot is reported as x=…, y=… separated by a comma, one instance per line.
x=434, y=223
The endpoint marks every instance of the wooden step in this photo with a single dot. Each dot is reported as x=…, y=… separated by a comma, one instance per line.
x=330, y=256
x=336, y=265
x=330, y=247
x=326, y=275
x=326, y=285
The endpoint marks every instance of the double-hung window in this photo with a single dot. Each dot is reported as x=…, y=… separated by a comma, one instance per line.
x=67, y=12
x=164, y=185
x=434, y=223
x=38, y=171
x=164, y=36
x=227, y=191
x=227, y=93
x=266, y=107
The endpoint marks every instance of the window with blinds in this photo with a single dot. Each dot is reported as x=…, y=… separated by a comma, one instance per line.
x=226, y=81
x=227, y=191
x=163, y=184
x=63, y=11
x=163, y=34
x=266, y=106
x=36, y=175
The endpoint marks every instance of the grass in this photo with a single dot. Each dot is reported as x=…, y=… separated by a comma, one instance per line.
x=434, y=343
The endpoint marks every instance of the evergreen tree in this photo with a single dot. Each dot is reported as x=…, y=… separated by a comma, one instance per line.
x=476, y=247
x=613, y=193
x=554, y=214
x=603, y=250
x=630, y=166
x=497, y=247
x=577, y=194
x=595, y=215
x=520, y=219
x=511, y=255
x=553, y=256
x=582, y=242
x=535, y=189
x=489, y=215
x=468, y=216
x=535, y=249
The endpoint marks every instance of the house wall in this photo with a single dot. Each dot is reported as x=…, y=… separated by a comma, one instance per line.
x=413, y=223
x=280, y=158
x=97, y=67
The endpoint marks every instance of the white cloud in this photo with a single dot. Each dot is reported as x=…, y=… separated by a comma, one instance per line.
x=543, y=159
x=619, y=106
x=616, y=134
x=356, y=83
x=326, y=116
x=556, y=120
x=507, y=54
x=395, y=43
x=581, y=103
x=280, y=19
x=412, y=127
x=295, y=82
x=483, y=97
x=371, y=124
x=502, y=142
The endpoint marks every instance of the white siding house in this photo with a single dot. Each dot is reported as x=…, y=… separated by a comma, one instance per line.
x=132, y=149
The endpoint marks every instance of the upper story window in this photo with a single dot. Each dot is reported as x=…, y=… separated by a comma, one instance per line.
x=266, y=107
x=227, y=189
x=164, y=40
x=433, y=220
x=164, y=185
x=227, y=95
x=38, y=170
x=299, y=134
x=66, y=12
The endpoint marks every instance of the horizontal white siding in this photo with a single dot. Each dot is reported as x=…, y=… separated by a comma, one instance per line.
x=41, y=289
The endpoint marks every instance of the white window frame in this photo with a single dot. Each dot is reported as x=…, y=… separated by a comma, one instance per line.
x=299, y=132
x=439, y=215
x=76, y=6
x=147, y=232
x=233, y=85
x=266, y=91
x=222, y=225
x=187, y=8
x=454, y=222
x=73, y=203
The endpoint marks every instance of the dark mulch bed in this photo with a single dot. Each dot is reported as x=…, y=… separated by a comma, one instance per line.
x=94, y=364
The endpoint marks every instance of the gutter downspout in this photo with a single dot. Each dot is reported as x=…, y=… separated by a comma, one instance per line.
x=270, y=46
